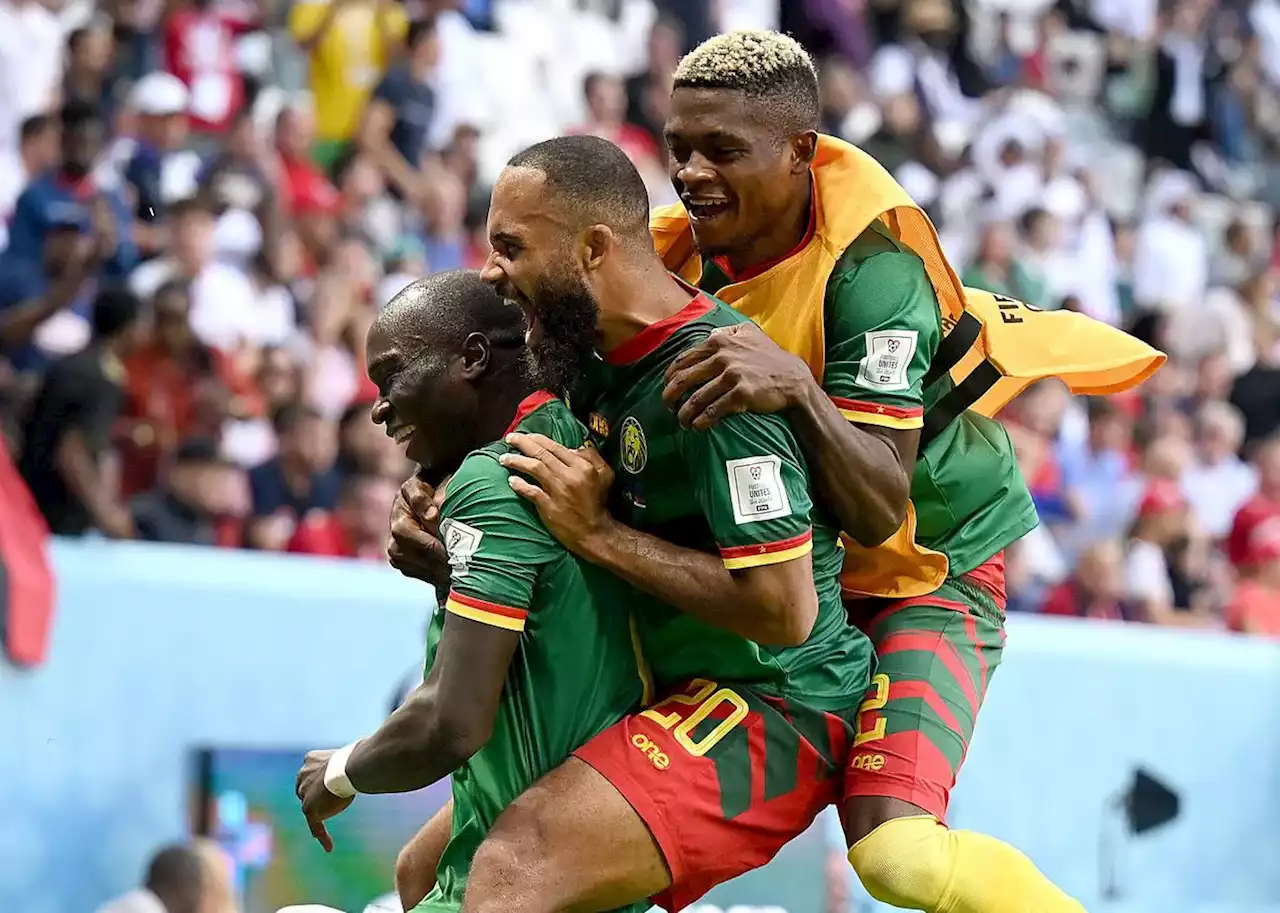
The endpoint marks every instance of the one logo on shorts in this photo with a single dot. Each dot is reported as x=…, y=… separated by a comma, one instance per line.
x=635, y=449
x=649, y=748
x=868, y=762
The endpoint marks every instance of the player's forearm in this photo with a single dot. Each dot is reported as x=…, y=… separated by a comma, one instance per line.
x=418, y=745
x=694, y=582
x=857, y=475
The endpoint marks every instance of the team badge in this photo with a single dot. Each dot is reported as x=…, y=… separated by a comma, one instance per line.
x=635, y=449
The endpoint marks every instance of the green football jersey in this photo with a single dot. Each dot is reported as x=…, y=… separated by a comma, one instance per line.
x=740, y=490
x=574, y=672
x=883, y=326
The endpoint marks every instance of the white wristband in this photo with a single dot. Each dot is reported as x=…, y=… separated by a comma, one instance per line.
x=335, y=772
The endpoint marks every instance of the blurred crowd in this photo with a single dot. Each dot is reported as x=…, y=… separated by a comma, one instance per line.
x=207, y=201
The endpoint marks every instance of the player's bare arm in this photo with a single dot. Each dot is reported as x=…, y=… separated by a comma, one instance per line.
x=774, y=604
x=442, y=723
x=862, y=474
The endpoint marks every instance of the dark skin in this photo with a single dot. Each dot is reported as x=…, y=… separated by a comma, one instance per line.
x=723, y=147
x=724, y=150
x=454, y=400
x=534, y=238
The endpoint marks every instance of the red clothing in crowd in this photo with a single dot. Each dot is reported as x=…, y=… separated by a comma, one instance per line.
x=323, y=534
x=199, y=48
x=1255, y=609
x=1257, y=511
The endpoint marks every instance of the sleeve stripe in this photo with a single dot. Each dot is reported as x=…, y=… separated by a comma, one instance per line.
x=489, y=613
x=744, y=556
x=881, y=414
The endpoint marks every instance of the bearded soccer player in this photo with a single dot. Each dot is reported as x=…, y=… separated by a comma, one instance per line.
x=758, y=672
x=744, y=159
x=533, y=655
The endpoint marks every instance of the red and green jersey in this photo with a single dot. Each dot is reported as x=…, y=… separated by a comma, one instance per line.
x=740, y=490
x=883, y=326
x=574, y=672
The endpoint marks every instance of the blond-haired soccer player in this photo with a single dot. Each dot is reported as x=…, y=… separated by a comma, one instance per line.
x=743, y=134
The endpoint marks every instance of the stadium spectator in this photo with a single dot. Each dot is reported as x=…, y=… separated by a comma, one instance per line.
x=1219, y=482
x=37, y=154
x=66, y=438
x=349, y=44
x=199, y=48
x=396, y=126
x=199, y=501
x=299, y=480
x=176, y=387
x=159, y=170
x=62, y=193
x=88, y=72
x=45, y=307
x=175, y=882
x=357, y=529
x=606, y=103
x=1096, y=589
x=1255, y=606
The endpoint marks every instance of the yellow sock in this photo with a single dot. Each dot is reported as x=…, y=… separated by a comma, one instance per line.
x=917, y=864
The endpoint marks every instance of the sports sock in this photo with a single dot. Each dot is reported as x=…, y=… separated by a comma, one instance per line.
x=916, y=863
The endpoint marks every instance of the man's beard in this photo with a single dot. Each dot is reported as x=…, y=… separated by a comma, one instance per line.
x=566, y=315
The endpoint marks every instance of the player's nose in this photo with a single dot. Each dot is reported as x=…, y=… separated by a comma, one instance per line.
x=379, y=412
x=491, y=273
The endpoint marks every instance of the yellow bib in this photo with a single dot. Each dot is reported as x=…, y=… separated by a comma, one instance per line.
x=1017, y=345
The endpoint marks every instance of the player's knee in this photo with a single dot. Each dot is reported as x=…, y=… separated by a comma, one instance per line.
x=904, y=862
x=413, y=879
x=513, y=868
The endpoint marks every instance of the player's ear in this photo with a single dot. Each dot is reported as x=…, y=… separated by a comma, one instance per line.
x=804, y=146
x=595, y=244
x=476, y=352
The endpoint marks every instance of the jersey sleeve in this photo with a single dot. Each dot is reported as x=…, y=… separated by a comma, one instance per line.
x=753, y=488
x=883, y=328
x=497, y=546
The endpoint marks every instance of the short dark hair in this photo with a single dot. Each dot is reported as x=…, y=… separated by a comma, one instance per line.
x=174, y=869
x=594, y=178
x=197, y=450
x=197, y=204
x=771, y=68
x=77, y=113
x=419, y=29
x=289, y=416
x=447, y=307
x=114, y=309
x=589, y=81
x=34, y=125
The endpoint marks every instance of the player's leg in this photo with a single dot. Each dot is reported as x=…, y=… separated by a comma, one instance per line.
x=937, y=654
x=570, y=842
x=708, y=783
x=417, y=863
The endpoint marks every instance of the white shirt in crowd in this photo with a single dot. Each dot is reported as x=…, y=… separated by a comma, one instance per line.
x=1170, y=264
x=1217, y=491
x=1146, y=574
x=227, y=310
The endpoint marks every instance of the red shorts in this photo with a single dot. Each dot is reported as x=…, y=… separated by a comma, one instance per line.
x=723, y=777
x=936, y=657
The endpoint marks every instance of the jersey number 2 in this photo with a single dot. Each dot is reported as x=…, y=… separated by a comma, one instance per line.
x=703, y=695
x=871, y=705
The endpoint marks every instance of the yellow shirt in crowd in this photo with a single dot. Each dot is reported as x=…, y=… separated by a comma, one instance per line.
x=349, y=60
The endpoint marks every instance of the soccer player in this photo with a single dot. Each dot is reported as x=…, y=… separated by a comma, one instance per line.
x=758, y=671
x=743, y=138
x=533, y=654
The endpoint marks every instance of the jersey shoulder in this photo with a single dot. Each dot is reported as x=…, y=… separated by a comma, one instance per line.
x=878, y=279
x=699, y=328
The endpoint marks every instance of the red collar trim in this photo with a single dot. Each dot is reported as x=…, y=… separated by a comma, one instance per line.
x=530, y=404
x=655, y=334
x=760, y=268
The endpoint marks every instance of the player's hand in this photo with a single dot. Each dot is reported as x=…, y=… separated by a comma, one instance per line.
x=414, y=547
x=736, y=369
x=318, y=804
x=570, y=491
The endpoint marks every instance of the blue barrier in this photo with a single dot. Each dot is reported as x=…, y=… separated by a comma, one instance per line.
x=160, y=649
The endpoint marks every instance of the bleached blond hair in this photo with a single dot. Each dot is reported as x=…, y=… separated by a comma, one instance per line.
x=760, y=63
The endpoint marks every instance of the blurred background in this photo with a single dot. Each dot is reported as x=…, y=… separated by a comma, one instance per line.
x=204, y=206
